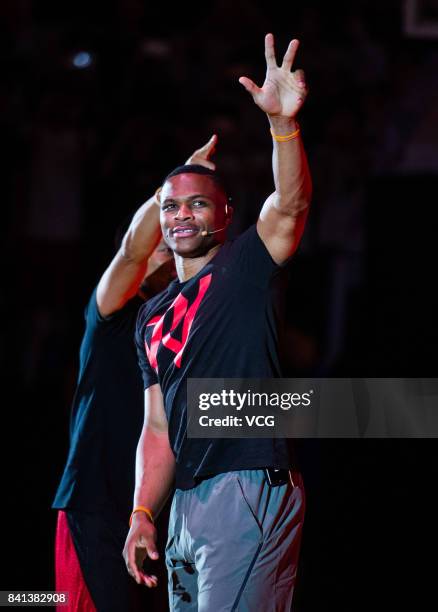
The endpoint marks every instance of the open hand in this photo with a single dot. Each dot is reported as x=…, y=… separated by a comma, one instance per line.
x=283, y=92
x=202, y=156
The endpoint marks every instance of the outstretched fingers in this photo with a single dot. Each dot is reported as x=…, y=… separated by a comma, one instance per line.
x=249, y=85
x=289, y=56
x=202, y=156
x=271, y=62
x=208, y=149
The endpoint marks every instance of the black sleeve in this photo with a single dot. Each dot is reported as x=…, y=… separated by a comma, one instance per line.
x=92, y=316
x=148, y=373
x=252, y=259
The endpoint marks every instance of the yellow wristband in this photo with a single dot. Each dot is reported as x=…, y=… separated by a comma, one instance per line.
x=286, y=137
x=147, y=511
x=157, y=194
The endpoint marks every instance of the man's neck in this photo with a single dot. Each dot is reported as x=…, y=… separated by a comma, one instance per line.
x=186, y=267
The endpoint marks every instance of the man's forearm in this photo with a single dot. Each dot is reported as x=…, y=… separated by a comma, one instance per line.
x=155, y=470
x=122, y=278
x=292, y=180
x=143, y=233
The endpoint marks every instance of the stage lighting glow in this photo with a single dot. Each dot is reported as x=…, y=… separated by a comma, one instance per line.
x=82, y=60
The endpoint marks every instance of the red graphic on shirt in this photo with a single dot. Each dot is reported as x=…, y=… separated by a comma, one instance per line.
x=181, y=310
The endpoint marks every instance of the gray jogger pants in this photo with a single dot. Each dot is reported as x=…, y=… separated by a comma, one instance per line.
x=234, y=543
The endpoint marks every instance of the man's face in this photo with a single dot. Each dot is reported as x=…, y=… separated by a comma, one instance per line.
x=190, y=204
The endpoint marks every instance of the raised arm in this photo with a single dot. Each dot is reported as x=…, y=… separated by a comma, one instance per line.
x=282, y=218
x=122, y=279
x=154, y=476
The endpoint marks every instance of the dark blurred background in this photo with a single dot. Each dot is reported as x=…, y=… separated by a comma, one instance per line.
x=98, y=101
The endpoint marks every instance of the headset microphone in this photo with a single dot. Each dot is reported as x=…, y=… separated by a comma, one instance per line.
x=209, y=233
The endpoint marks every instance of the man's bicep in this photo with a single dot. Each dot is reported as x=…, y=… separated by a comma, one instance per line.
x=154, y=413
x=280, y=232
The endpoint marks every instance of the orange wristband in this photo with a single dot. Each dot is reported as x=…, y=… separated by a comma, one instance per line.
x=147, y=511
x=286, y=137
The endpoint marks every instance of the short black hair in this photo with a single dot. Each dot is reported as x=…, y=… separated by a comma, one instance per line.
x=198, y=169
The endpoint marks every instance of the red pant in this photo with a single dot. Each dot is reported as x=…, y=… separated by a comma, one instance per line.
x=69, y=576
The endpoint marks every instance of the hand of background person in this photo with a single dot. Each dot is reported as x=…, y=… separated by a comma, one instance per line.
x=283, y=92
x=202, y=156
x=141, y=543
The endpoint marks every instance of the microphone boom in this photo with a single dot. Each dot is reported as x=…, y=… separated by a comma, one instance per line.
x=209, y=233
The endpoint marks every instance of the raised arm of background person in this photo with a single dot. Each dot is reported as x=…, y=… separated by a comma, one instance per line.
x=282, y=218
x=154, y=477
x=121, y=280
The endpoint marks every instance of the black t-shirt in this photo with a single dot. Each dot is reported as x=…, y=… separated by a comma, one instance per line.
x=222, y=323
x=107, y=416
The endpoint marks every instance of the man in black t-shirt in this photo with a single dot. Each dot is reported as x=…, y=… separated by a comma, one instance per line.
x=233, y=538
x=94, y=497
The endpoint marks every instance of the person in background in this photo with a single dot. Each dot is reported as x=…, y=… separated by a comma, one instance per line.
x=95, y=493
